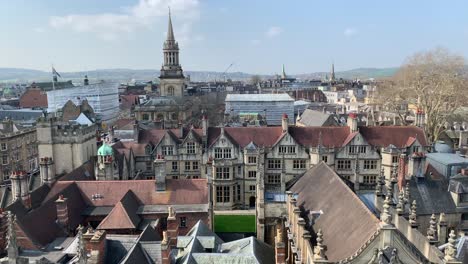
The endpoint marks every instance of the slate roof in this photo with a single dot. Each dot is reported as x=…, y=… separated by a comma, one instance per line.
x=459, y=184
x=345, y=217
x=431, y=196
x=316, y=118
x=200, y=239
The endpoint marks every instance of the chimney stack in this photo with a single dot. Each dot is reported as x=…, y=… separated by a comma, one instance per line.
x=285, y=123
x=204, y=129
x=20, y=187
x=47, y=171
x=352, y=122
x=172, y=227
x=62, y=213
x=280, y=248
x=136, y=131
x=97, y=247
x=165, y=249
x=160, y=173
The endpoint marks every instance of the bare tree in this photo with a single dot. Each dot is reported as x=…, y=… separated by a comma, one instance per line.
x=392, y=102
x=434, y=81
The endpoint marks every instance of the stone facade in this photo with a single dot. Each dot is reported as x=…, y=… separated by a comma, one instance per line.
x=69, y=146
x=18, y=149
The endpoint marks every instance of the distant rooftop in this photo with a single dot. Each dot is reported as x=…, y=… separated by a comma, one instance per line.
x=258, y=97
x=447, y=158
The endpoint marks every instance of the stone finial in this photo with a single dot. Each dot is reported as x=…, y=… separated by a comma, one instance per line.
x=81, y=249
x=432, y=230
x=442, y=219
x=394, y=173
x=279, y=235
x=389, y=194
x=171, y=213
x=385, y=216
x=412, y=216
x=319, y=249
x=165, y=239
x=12, y=245
x=451, y=249
x=401, y=203
x=407, y=193
x=380, y=182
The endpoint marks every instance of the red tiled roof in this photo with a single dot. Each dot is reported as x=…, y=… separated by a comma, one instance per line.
x=192, y=191
x=310, y=136
x=383, y=136
x=33, y=98
x=260, y=136
x=127, y=101
x=124, y=124
x=123, y=215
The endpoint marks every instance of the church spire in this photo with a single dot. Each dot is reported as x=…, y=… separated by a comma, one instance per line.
x=283, y=73
x=170, y=31
x=332, y=73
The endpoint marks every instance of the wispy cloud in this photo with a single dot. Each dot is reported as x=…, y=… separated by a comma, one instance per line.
x=109, y=26
x=349, y=32
x=273, y=31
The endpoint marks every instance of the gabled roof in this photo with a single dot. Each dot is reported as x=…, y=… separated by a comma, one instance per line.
x=242, y=136
x=123, y=215
x=317, y=118
x=383, y=136
x=182, y=191
x=345, y=218
x=33, y=98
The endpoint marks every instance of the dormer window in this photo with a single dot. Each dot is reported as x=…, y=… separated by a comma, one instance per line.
x=463, y=197
x=148, y=149
x=190, y=148
x=167, y=150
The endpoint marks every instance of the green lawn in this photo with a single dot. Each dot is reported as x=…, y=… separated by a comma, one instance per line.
x=234, y=223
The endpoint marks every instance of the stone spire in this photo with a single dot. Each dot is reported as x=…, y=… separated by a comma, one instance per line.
x=12, y=245
x=170, y=31
x=412, y=217
x=332, y=73
x=432, y=230
x=283, y=73
x=385, y=216
x=451, y=249
x=401, y=203
x=319, y=249
x=81, y=249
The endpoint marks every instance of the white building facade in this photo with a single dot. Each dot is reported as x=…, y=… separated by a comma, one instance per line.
x=103, y=98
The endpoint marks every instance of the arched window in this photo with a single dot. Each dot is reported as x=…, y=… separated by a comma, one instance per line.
x=170, y=91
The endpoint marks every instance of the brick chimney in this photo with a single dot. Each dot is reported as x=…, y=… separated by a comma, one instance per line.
x=62, y=213
x=20, y=187
x=160, y=173
x=165, y=249
x=352, y=122
x=172, y=227
x=97, y=247
x=285, y=123
x=280, y=248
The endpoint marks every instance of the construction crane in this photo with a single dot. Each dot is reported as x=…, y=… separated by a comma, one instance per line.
x=224, y=73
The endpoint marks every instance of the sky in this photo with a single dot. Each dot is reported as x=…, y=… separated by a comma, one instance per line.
x=258, y=36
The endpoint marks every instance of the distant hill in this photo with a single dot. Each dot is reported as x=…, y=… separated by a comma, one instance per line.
x=123, y=75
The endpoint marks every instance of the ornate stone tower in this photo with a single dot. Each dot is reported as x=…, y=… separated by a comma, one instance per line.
x=105, y=163
x=172, y=77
